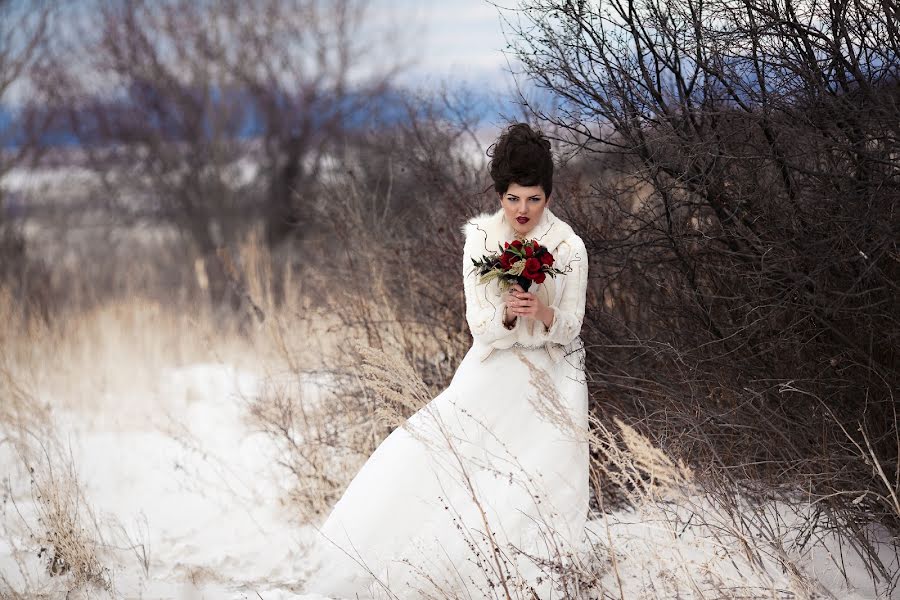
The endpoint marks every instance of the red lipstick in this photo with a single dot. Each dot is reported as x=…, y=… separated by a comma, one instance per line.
x=522, y=219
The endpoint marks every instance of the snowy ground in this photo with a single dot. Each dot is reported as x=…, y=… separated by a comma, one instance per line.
x=181, y=471
x=190, y=482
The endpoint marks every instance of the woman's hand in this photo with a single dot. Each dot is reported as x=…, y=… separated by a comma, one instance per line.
x=525, y=304
x=509, y=297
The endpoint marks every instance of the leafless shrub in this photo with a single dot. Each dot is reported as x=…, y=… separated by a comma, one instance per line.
x=377, y=283
x=743, y=228
x=408, y=187
x=320, y=442
x=63, y=530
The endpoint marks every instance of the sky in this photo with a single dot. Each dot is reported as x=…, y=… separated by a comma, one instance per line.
x=455, y=44
x=458, y=43
x=459, y=40
x=463, y=39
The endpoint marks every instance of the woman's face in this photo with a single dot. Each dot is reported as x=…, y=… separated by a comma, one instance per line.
x=526, y=203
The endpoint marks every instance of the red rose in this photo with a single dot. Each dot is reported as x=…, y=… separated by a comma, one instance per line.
x=506, y=244
x=517, y=244
x=532, y=268
x=539, y=277
x=529, y=250
x=547, y=259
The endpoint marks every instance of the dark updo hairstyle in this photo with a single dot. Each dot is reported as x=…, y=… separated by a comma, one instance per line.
x=521, y=155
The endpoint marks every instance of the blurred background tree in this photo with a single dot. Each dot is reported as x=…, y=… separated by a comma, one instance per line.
x=216, y=114
x=24, y=32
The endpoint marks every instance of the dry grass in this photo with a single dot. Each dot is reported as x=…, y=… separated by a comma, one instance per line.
x=325, y=439
x=67, y=531
x=107, y=358
x=742, y=543
x=20, y=415
x=54, y=523
x=400, y=390
x=373, y=362
x=344, y=369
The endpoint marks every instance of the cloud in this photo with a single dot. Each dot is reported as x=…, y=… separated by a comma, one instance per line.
x=462, y=39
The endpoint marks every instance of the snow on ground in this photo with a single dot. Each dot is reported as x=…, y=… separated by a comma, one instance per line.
x=181, y=471
x=205, y=485
x=690, y=543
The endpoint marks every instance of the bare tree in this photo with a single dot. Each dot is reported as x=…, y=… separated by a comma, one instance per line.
x=216, y=113
x=750, y=272
x=24, y=33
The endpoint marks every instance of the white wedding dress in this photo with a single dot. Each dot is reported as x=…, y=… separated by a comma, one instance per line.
x=484, y=488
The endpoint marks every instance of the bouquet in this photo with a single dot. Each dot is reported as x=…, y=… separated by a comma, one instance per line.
x=516, y=262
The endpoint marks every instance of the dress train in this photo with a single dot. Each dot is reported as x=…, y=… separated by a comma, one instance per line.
x=497, y=458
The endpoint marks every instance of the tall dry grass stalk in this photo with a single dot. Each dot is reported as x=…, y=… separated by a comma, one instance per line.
x=756, y=536
x=310, y=403
x=20, y=415
x=68, y=533
x=317, y=332
x=319, y=443
x=401, y=392
x=292, y=330
x=55, y=524
x=631, y=462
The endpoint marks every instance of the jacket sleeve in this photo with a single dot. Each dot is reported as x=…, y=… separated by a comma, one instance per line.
x=568, y=316
x=484, y=305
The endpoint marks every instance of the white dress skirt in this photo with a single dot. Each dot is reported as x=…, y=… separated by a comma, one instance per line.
x=477, y=495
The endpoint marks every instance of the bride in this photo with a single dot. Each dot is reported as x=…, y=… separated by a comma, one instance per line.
x=484, y=490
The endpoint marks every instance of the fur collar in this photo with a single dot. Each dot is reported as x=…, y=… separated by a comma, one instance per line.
x=493, y=229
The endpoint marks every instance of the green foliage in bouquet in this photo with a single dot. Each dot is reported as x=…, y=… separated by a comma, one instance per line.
x=521, y=262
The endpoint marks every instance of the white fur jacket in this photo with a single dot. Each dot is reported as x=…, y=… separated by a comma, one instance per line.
x=565, y=294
